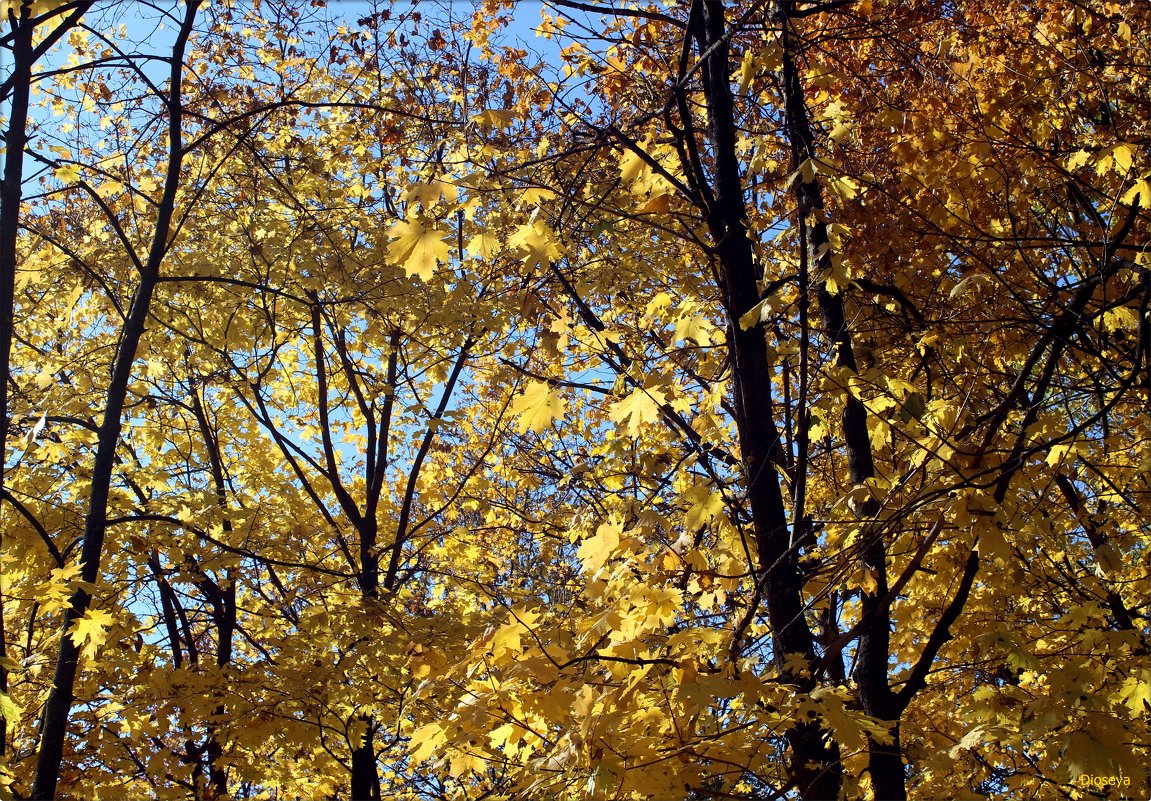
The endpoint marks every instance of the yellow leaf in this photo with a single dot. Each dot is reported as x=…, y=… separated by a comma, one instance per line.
x=431, y=192
x=660, y=303
x=484, y=246
x=844, y=186
x=494, y=118
x=425, y=741
x=9, y=709
x=147, y=183
x=68, y=173
x=598, y=548
x=1139, y=193
x=356, y=732
x=1086, y=753
x=535, y=243
x=663, y=603
x=694, y=329
x=970, y=742
x=758, y=313
x=1061, y=451
x=850, y=727
x=632, y=165
x=109, y=188
x=658, y=204
x=966, y=284
x=1119, y=318
x=503, y=737
x=417, y=248
x=837, y=277
x=536, y=195
x=506, y=641
x=806, y=172
x=91, y=630
x=538, y=406
x=1078, y=159
x=898, y=387
x=839, y=132
x=706, y=505
x=746, y=71
x=461, y=763
x=584, y=702
x=1136, y=693
x=1124, y=156
x=641, y=406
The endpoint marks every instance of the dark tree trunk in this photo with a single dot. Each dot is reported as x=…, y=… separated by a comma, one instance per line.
x=365, y=780
x=58, y=705
x=814, y=768
x=885, y=763
x=223, y=599
x=16, y=138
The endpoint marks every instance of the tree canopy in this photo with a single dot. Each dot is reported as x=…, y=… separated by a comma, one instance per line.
x=656, y=400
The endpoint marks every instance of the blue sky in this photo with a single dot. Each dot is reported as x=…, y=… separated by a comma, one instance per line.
x=140, y=17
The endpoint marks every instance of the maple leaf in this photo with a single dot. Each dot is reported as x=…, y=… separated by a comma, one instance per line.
x=706, y=505
x=506, y=640
x=538, y=406
x=759, y=313
x=9, y=709
x=426, y=194
x=970, y=742
x=639, y=407
x=535, y=243
x=1086, y=752
x=494, y=118
x=1136, y=693
x=425, y=741
x=68, y=173
x=596, y=549
x=632, y=165
x=484, y=246
x=663, y=603
x=91, y=630
x=507, y=738
x=657, y=204
x=693, y=328
x=417, y=247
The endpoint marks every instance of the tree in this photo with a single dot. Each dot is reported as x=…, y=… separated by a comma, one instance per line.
x=77, y=617
x=23, y=20
x=732, y=400
x=675, y=134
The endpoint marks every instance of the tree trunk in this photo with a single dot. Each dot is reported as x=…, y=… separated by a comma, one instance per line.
x=223, y=599
x=885, y=763
x=10, y=196
x=814, y=768
x=365, y=781
x=58, y=706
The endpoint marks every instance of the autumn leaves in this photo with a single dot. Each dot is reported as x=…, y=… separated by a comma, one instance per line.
x=752, y=406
